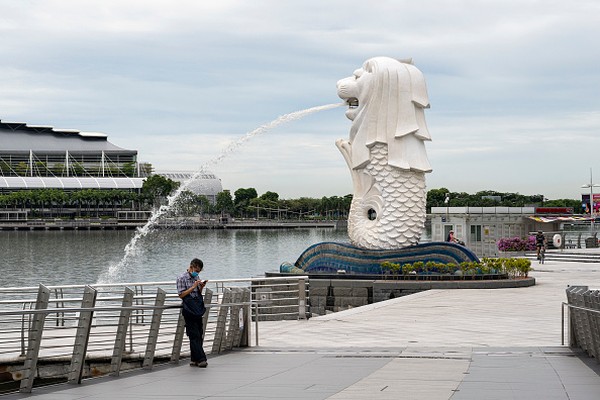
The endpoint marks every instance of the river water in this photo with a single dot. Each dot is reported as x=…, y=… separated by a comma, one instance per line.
x=84, y=257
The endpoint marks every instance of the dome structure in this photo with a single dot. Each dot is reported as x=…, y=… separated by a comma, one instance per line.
x=205, y=183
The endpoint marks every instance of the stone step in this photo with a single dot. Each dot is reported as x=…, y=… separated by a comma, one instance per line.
x=567, y=257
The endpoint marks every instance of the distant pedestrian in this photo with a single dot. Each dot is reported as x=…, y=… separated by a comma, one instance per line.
x=540, y=243
x=453, y=239
x=189, y=288
x=450, y=238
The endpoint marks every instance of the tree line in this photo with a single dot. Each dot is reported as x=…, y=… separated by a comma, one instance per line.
x=242, y=203
x=246, y=203
x=488, y=198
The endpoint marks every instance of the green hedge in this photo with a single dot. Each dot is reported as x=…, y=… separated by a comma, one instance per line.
x=513, y=267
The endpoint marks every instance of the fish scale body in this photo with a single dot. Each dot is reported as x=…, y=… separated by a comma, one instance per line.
x=399, y=199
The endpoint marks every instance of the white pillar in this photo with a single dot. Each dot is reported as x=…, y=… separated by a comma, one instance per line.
x=30, y=162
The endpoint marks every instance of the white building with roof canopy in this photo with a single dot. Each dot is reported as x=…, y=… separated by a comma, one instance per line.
x=44, y=157
x=41, y=157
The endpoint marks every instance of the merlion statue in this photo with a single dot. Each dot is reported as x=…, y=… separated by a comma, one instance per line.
x=386, y=153
x=388, y=162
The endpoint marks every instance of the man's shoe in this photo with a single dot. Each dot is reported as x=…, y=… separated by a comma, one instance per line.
x=193, y=364
x=202, y=364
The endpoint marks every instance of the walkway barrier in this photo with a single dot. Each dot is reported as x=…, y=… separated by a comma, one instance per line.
x=67, y=333
x=583, y=319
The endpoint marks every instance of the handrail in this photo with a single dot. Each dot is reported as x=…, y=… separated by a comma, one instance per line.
x=116, y=308
x=227, y=334
x=584, y=319
x=154, y=283
x=131, y=316
x=562, y=342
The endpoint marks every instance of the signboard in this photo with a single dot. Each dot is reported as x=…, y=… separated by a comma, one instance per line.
x=555, y=210
x=585, y=202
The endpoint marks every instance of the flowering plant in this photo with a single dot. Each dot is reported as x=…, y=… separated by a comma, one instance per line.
x=517, y=244
x=531, y=243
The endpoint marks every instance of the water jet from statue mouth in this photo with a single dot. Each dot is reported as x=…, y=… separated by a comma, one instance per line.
x=116, y=269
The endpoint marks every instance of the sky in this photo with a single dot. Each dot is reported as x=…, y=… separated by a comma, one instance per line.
x=513, y=85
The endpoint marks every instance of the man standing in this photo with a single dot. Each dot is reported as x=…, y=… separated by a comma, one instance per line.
x=190, y=288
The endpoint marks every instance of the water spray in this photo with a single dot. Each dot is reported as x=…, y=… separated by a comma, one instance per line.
x=131, y=247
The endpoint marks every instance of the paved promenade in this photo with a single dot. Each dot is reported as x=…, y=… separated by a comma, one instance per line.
x=440, y=344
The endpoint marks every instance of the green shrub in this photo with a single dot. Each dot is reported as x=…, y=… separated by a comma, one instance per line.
x=513, y=267
x=510, y=267
x=469, y=267
x=407, y=269
x=389, y=267
x=452, y=268
x=523, y=267
x=430, y=266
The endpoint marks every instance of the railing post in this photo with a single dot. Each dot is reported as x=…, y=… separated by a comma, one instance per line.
x=592, y=301
x=582, y=320
x=121, y=336
x=584, y=329
x=25, y=320
x=154, y=327
x=35, y=339
x=60, y=317
x=82, y=337
x=255, y=305
x=562, y=324
x=576, y=337
x=301, y=298
x=139, y=301
x=219, y=338
x=586, y=299
x=208, y=295
x=178, y=339
x=245, y=319
x=233, y=332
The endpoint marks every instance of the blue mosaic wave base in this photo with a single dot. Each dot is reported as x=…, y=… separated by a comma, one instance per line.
x=329, y=257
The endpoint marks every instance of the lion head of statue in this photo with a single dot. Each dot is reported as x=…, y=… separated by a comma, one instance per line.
x=386, y=100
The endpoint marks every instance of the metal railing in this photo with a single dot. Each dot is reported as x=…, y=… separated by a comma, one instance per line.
x=583, y=323
x=76, y=331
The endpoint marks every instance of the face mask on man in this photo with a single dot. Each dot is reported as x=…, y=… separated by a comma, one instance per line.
x=194, y=274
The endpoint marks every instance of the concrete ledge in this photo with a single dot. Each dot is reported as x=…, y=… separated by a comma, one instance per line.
x=319, y=284
x=334, y=295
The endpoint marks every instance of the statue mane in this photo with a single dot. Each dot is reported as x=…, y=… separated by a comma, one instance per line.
x=386, y=153
x=391, y=99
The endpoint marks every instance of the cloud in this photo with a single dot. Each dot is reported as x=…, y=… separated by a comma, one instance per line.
x=513, y=85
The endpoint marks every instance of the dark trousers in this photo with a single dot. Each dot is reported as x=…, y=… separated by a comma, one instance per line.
x=194, y=331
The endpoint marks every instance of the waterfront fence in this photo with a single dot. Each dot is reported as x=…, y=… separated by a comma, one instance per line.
x=583, y=307
x=70, y=332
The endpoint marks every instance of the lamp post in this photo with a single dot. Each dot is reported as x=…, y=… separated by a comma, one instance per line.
x=447, y=201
